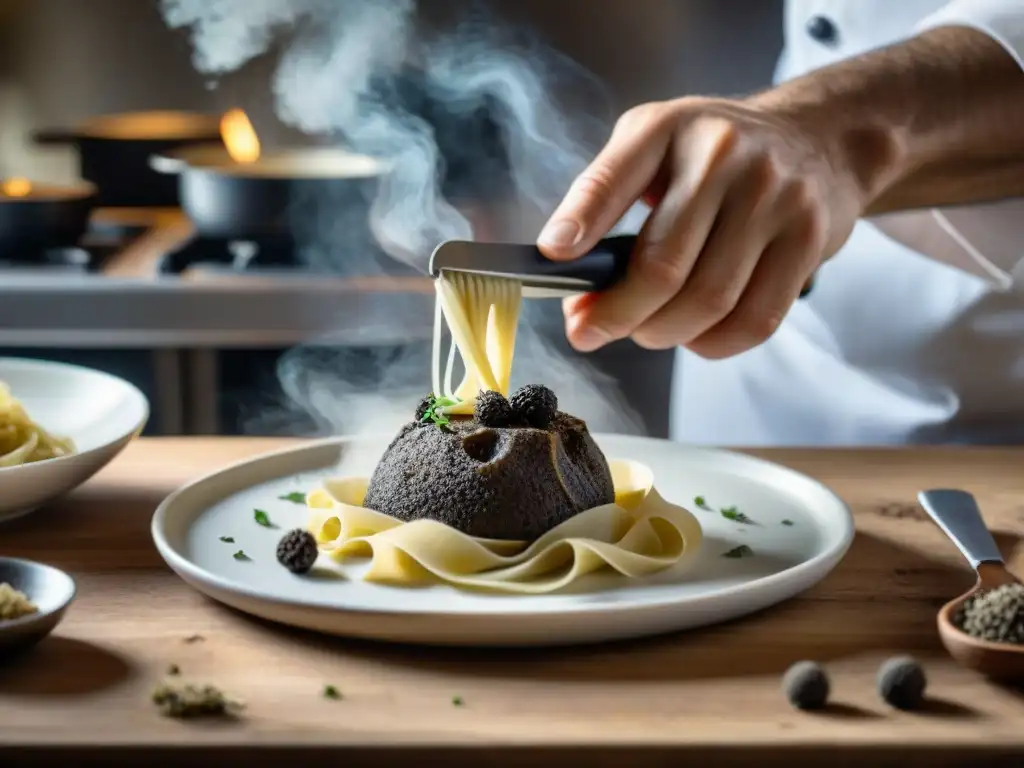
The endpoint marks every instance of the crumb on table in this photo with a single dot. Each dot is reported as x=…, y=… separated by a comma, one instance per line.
x=193, y=701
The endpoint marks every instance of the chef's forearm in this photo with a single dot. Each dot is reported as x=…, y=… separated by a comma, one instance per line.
x=935, y=120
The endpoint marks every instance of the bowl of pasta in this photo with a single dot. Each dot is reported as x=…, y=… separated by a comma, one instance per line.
x=59, y=425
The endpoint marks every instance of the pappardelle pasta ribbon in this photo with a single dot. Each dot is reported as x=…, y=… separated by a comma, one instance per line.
x=638, y=535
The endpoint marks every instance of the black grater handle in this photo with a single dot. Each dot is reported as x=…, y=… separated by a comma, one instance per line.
x=601, y=267
x=605, y=264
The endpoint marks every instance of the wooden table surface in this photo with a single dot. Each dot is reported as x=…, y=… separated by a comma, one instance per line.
x=711, y=696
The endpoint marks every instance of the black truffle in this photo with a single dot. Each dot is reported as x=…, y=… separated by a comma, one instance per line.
x=806, y=685
x=511, y=483
x=297, y=551
x=901, y=683
x=535, y=404
x=493, y=410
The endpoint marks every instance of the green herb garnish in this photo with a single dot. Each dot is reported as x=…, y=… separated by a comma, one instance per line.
x=262, y=518
x=228, y=539
x=240, y=555
x=732, y=513
x=330, y=692
x=787, y=522
x=457, y=701
x=741, y=551
x=702, y=503
x=295, y=497
x=433, y=412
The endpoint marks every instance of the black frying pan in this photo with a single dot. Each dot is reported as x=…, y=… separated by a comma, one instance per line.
x=48, y=217
x=114, y=153
x=265, y=200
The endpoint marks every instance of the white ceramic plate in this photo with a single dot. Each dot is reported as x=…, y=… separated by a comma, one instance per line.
x=100, y=412
x=787, y=558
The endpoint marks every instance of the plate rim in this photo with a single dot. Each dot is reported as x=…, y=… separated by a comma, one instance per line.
x=825, y=560
x=31, y=362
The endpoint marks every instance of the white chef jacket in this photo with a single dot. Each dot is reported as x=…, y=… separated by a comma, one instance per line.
x=914, y=332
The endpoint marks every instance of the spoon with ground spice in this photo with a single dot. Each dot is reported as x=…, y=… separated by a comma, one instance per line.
x=984, y=628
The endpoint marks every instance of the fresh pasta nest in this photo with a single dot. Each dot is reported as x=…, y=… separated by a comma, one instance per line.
x=22, y=440
x=637, y=534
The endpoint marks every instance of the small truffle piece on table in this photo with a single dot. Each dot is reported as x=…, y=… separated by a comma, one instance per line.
x=902, y=682
x=806, y=685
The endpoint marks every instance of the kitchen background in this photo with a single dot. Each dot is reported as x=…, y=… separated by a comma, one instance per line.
x=62, y=61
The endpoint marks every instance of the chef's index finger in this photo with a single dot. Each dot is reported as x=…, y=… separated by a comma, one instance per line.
x=619, y=176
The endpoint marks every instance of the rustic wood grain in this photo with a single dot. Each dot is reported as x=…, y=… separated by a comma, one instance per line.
x=710, y=696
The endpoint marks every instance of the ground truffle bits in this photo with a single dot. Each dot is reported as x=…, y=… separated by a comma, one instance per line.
x=901, y=683
x=535, y=404
x=297, y=551
x=493, y=410
x=806, y=685
x=996, y=615
x=193, y=701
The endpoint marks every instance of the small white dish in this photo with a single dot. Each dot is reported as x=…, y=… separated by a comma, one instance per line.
x=99, y=412
x=801, y=532
x=50, y=589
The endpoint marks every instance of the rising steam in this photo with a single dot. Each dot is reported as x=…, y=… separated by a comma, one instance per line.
x=338, y=68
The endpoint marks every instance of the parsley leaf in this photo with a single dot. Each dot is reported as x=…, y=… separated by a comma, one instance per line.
x=240, y=555
x=732, y=513
x=228, y=539
x=262, y=518
x=433, y=412
x=330, y=692
x=741, y=551
x=702, y=503
x=457, y=701
x=787, y=522
x=295, y=497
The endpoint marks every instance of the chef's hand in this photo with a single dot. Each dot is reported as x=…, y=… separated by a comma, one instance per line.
x=746, y=205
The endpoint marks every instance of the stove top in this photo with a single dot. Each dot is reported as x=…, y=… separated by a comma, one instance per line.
x=131, y=243
x=88, y=257
x=161, y=243
x=108, y=235
x=53, y=260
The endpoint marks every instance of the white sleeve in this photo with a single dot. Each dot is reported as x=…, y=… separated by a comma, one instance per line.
x=986, y=240
x=1002, y=20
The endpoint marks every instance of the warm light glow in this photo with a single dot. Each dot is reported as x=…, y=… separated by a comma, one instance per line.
x=239, y=137
x=16, y=187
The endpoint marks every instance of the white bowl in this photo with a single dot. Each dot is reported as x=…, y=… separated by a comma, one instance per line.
x=99, y=412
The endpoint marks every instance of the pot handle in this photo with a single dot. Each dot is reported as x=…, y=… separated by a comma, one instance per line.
x=45, y=136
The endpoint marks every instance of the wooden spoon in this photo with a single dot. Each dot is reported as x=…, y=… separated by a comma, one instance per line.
x=957, y=513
